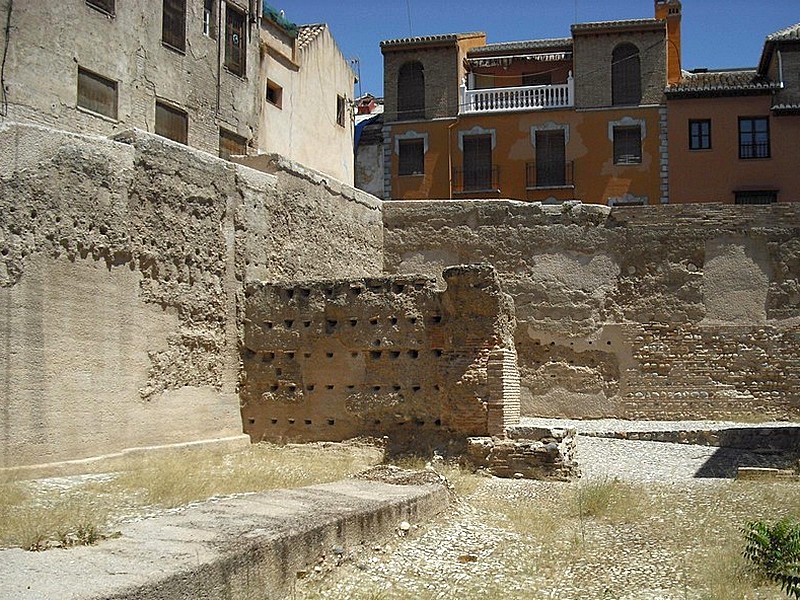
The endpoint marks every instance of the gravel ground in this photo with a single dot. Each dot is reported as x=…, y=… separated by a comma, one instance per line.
x=472, y=553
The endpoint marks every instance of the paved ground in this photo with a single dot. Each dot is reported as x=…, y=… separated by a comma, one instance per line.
x=467, y=555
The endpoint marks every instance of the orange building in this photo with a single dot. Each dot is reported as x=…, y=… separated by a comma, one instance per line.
x=604, y=116
x=543, y=120
x=734, y=136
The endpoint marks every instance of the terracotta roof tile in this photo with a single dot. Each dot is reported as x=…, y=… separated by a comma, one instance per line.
x=720, y=83
x=534, y=45
x=431, y=39
x=606, y=25
x=790, y=33
x=308, y=33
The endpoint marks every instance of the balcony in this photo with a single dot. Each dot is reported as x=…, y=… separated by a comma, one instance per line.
x=476, y=180
x=515, y=99
x=549, y=175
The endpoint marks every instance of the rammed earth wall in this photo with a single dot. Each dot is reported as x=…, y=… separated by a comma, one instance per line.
x=649, y=312
x=121, y=276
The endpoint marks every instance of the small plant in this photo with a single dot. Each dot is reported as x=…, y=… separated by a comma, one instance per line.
x=775, y=550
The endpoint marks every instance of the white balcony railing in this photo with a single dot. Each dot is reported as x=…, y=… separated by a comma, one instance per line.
x=510, y=99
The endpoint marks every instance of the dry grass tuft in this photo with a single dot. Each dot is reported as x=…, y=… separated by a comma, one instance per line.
x=81, y=511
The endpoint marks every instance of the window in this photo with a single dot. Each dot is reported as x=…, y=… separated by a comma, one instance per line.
x=756, y=197
x=209, y=18
x=235, y=43
x=537, y=79
x=97, y=94
x=171, y=122
x=274, y=93
x=106, y=6
x=550, y=158
x=411, y=157
x=478, y=162
x=173, y=24
x=699, y=134
x=754, y=137
x=341, y=110
x=627, y=145
x=626, y=78
x=411, y=91
x=231, y=144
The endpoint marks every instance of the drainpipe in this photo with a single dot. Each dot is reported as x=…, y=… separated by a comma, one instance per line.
x=450, y=156
x=220, y=38
x=4, y=109
x=780, y=68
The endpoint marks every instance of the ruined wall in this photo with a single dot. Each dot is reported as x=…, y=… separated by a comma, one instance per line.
x=121, y=268
x=381, y=356
x=646, y=312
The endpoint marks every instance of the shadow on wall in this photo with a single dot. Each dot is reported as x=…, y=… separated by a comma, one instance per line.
x=768, y=447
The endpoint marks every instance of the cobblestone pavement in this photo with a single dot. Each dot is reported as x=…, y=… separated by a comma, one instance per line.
x=471, y=553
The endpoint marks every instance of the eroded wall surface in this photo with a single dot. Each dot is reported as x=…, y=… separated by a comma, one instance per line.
x=381, y=356
x=647, y=312
x=122, y=269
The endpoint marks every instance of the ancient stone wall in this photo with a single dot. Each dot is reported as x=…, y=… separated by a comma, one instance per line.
x=657, y=312
x=380, y=356
x=122, y=270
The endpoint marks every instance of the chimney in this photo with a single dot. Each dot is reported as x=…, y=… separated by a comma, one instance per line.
x=670, y=11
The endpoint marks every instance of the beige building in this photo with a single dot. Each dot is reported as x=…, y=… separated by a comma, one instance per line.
x=200, y=72
x=307, y=114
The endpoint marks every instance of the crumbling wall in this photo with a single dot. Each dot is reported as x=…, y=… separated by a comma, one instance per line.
x=393, y=356
x=657, y=312
x=122, y=269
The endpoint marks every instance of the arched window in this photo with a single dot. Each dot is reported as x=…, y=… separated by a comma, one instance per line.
x=626, y=75
x=411, y=91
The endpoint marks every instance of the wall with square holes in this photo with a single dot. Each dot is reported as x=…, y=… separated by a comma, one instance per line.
x=662, y=312
x=122, y=265
x=394, y=356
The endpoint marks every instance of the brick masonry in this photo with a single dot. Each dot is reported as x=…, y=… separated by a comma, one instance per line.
x=380, y=356
x=658, y=312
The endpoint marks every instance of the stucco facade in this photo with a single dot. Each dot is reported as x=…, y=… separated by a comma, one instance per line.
x=307, y=85
x=535, y=120
x=50, y=43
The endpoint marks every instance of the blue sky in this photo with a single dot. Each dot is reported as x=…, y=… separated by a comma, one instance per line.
x=715, y=33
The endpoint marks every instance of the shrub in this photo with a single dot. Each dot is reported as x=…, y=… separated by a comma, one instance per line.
x=775, y=550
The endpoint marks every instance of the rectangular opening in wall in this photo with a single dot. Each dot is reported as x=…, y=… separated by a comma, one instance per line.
x=754, y=137
x=97, y=94
x=551, y=159
x=231, y=144
x=478, y=171
x=274, y=93
x=699, y=134
x=106, y=6
x=173, y=24
x=628, y=145
x=172, y=123
x=411, y=157
x=235, y=40
x=756, y=197
x=341, y=110
x=210, y=18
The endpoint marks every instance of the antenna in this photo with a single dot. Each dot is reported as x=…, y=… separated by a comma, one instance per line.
x=356, y=63
x=410, y=28
x=576, y=12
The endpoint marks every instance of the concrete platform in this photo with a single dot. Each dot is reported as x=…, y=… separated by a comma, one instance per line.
x=248, y=547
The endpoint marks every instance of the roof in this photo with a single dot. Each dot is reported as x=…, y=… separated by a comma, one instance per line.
x=731, y=82
x=308, y=33
x=612, y=25
x=431, y=39
x=790, y=33
x=534, y=45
